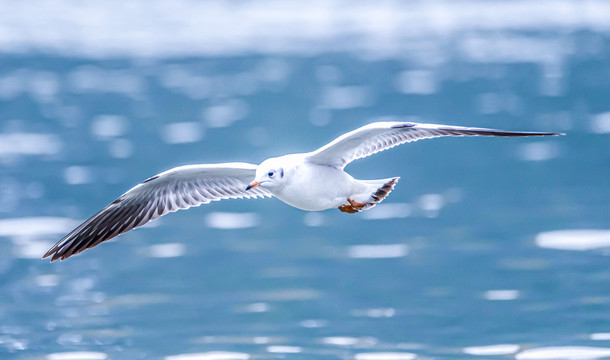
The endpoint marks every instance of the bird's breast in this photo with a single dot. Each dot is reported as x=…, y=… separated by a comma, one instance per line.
x=315, y=188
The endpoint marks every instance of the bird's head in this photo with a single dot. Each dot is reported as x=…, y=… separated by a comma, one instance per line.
x=269, y=174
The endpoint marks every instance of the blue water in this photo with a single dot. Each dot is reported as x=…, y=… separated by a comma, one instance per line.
x=487, y=248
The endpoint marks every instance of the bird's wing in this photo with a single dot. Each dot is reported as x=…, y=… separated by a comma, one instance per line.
x=379, y=136
x=179, y=188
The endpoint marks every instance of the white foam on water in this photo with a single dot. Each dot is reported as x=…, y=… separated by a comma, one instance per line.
x=182, y=132
x=210, y=355
x=29, y=144
x=226, y=220
x=578, y=240
x=77, y=355
x=36, y=226
x=385, y=356
x=283, y=349
x=489, y=350
x=377, y=251
x=564, y=353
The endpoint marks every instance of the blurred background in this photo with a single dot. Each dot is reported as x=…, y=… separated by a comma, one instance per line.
x=492, y=248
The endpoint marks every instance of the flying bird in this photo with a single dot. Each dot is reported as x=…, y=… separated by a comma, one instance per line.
x=312, y=181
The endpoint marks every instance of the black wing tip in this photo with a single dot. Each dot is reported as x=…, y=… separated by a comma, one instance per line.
x=61, y=253
x=493, y=132
x=527, y=133
x=50, y=252
x=404, y=125
x=150, y=179
x=518, y=133
x=53, y=259
x=55, y=255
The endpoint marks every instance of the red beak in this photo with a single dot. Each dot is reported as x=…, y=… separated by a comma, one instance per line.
x=252, y=185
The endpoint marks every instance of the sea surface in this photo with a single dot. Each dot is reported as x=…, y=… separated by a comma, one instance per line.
x=488, y=248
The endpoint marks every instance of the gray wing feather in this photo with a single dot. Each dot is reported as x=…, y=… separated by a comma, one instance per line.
x=380, y=136
x=179, y=188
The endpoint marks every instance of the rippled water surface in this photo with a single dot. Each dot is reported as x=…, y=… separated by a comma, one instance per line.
x=487, y=248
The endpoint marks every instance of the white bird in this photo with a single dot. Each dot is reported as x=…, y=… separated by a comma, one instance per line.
x=311, y=181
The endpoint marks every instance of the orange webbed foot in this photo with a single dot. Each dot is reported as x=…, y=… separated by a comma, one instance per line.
x=353, y=207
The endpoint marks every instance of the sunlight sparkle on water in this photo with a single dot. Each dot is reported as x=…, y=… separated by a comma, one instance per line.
x=77, y=355
x=377, y=251
x=600, y=123
x=501, y=294
x=182, y=133
x=284, y=349
x=211, y=355
x=35, y=226
x=385, y=356
x=226, y=220
x=579, y=240
x=29, y=144
x=165, y=250
x=388, y=211
x=488, y=350
x=564, y=353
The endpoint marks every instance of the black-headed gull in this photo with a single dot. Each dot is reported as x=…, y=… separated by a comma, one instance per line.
x=311, y=181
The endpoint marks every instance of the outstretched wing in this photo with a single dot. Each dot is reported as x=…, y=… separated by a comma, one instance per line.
x=179, y=188
x=380, y=136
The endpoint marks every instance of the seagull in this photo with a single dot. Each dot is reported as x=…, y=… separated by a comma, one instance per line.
x=312, y=181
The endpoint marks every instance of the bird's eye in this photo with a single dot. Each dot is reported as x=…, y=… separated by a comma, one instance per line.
x=271, y=173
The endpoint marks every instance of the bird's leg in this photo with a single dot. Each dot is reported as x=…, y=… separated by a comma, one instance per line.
x=347, y=209
x=353, y=207
x=356, y=205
